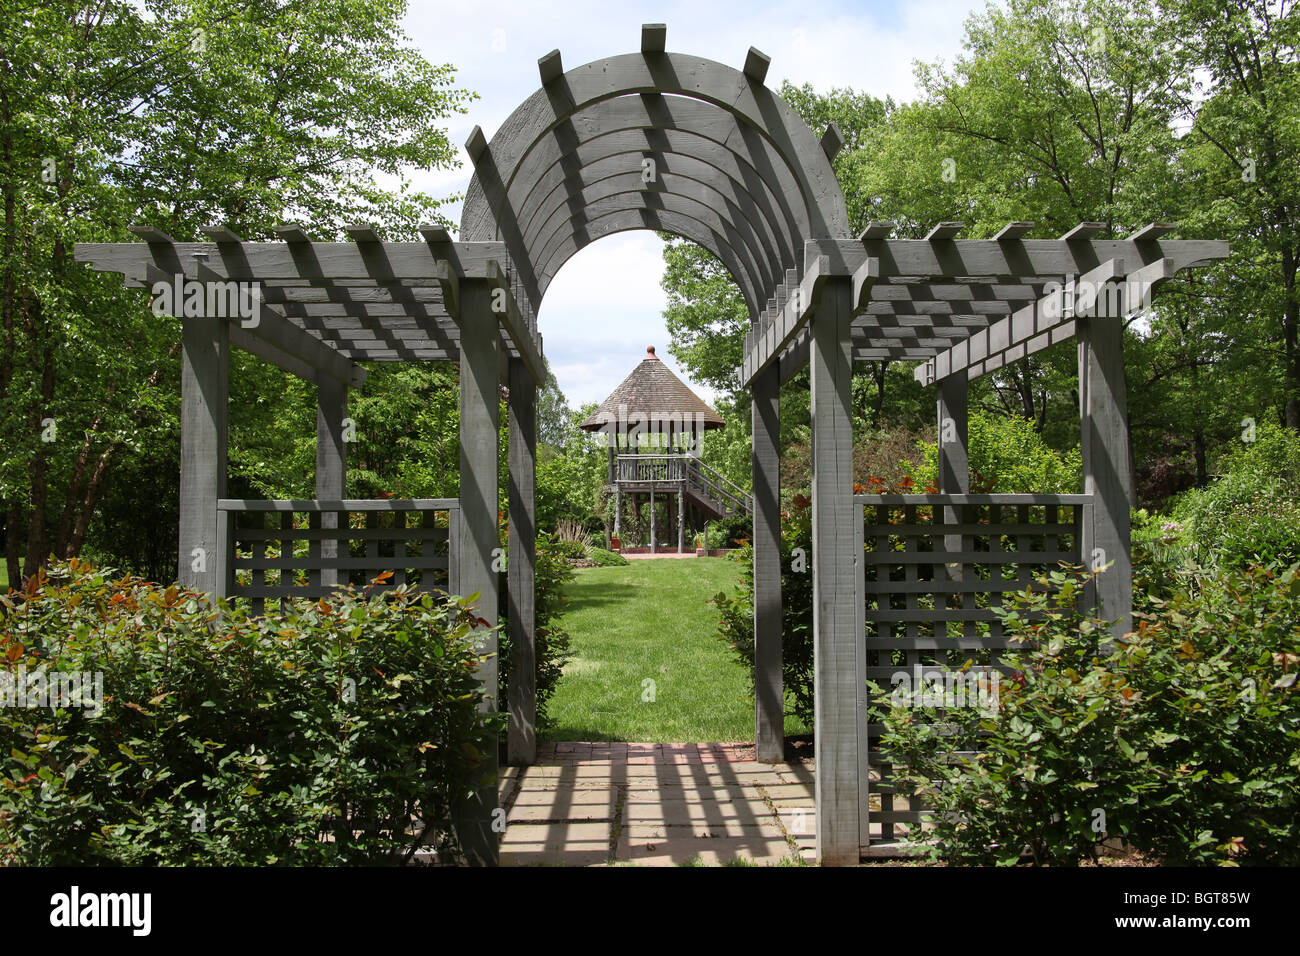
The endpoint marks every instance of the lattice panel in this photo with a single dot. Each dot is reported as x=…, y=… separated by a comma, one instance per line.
x=935, y=570
x=277, y=554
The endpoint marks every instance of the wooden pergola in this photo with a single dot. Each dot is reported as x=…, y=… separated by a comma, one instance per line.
x=667, y=142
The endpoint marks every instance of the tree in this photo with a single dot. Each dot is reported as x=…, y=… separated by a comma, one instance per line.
x=179, y=114
x=1242, y=160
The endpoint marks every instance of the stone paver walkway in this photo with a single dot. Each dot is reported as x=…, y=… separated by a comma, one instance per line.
x=597, y=804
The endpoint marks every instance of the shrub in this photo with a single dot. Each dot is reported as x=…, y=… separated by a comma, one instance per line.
x=1184, y=739
x=1008, y=456
x=737, y=612
x=602, y=558
x=317, y=736
x=551, y=651
x=1251, y=513
x=572, y=550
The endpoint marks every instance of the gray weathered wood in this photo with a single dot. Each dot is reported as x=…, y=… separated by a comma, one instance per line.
x=1103, y=399
x=331, y=463
x=203, y=538
x=479, y=421
x=836, y=643
x=521, y=746
x=769, y=693
x=954, y=452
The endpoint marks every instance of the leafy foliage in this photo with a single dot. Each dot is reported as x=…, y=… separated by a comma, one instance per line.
x=1009, y=456
x=551, y=648
x=1183, y=738
x=1251, y=513
x=736, y=626
x=320, y=736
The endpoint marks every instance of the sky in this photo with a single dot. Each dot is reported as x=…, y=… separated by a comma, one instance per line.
x=605, y=305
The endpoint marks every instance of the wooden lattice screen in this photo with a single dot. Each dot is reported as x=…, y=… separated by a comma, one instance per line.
x=934, y=569
x=305, y=549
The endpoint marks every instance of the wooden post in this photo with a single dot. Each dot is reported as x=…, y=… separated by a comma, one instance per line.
x=836, y=643
x=479, y=421
x=331, y=463
x=1103, y=411
x=652, y=520
x=954, y=457
x=205, y=370
x=521, y=741
x=769, y=687
x=681, y=520
x=618, y=513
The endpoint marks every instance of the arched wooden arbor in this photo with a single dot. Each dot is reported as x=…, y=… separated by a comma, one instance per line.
x=664, y=141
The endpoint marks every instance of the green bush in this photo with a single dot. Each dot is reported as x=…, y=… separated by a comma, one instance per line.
x=313, y=737
x=551, y=651
x=1007, y=456
x=603, y=559
x=736, y=626
x=1183, y=739
x=1251, y=513
x=573, y=550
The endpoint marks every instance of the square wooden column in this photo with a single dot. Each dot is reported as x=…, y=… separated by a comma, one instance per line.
x=331, y=462
x=521, y=741
x=479, y=421
x=769, y=687
x=837, y=643
x=1103, y=420
x=952, y=420
x=205, y=371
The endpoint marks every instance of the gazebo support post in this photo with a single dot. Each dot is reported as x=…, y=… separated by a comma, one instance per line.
x=1103, y=411
x=653, y=539
x=205, y=370
x=837, y=644
x=769, y=689
x=618, y=514
x=479, y=421
x=521, y=741
x=331, y=463
x=681, y=521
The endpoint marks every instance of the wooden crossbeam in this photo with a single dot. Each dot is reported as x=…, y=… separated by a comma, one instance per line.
x=988, y=260
x=550, y=67
x=946, y=230
x=756, y=64
x=654, y=37
x=832, y=141
x=274, y=338
x=1046, y=322
x=1013, y=230
x=769, y=338
x=1084, y=230
x=221, y=234
x=292, y=233
x=1154, y=230
x=877, y=230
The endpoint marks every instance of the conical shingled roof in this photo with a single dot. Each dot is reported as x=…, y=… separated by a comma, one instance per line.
x=652, y=393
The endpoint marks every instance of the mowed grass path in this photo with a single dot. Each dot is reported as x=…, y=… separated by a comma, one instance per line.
x=649, y=621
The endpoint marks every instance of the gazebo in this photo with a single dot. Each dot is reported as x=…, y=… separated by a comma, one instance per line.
x=654, y=428
x=675, y=143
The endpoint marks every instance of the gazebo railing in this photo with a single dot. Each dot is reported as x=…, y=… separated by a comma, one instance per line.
x=934, y=569
x=651, y=468
x=307, y=548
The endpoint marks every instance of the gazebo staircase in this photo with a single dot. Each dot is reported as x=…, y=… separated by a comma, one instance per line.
x=703, y=487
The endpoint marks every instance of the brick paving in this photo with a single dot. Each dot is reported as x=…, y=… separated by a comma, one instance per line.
x=602, y=804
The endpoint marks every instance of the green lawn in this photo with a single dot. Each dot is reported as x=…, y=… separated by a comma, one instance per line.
x=649, y=621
